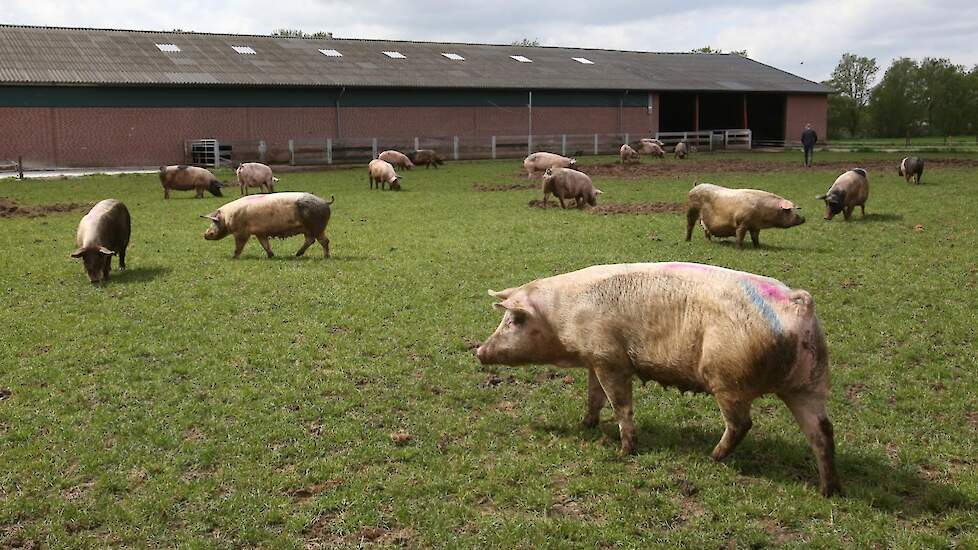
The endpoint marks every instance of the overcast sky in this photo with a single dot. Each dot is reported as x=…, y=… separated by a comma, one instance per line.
x=803, y=37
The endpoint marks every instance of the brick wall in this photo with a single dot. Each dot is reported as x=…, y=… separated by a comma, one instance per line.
x=123, y=136
x=803, y=109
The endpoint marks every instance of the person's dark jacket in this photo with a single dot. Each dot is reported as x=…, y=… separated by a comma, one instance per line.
x=809, y=138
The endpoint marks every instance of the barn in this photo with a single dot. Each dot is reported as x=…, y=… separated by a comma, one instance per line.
x=74, y=97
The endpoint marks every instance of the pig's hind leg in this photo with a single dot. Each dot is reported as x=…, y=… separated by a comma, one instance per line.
x=596, y=399
x=809, y=411
x=302, y=249
x=736, y=417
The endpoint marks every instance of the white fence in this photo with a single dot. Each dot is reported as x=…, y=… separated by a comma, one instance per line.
x=327, y=151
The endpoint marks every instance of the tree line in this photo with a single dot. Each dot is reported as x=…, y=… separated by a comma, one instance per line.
x=930, y=97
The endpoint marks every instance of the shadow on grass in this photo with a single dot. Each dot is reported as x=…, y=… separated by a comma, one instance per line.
x=873, y=479
x=748, y=246
x=880, y=218
x=138, y=274
x=308, y=257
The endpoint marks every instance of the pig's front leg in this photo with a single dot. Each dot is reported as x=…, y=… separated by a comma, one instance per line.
x=617, y=385
x=595, y=400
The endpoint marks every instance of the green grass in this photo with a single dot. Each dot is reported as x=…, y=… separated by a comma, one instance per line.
x=199, y=401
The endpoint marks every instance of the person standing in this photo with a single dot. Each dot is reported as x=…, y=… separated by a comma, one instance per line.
x=808, y=140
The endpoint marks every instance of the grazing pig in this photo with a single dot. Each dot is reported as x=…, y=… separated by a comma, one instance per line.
x=850, y=190
x=276, y=215
x=911, y=167
x=651, y=147
x=103, y=233
x=695, y=327
x=681, y=150
x=185, y=178
x=538, y=163
x=397, y=159
x=427, y=157
x=736, y=212
x=381, y=172
x=255, y=174
x=567, y=183
x=628, y=154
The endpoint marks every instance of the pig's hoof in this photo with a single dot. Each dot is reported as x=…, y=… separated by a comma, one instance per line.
x=719, y=454
x=590, y=422
x=830, y=489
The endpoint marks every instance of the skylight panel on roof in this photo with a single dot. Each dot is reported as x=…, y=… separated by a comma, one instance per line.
x=244, y=49
x=331, y=53
x=168, y=47
x=395, y=55
x=454, y=56
x=521, y=59
x=583, y=60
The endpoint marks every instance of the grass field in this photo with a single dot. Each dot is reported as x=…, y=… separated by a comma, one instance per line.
x=204, y=402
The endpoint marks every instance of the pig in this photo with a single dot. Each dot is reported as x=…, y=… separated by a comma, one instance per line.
x=538, y=163
x=567, y=183
x=648, y=146
x=184, y=178
x=911, y=167
x=628, y=154
x=255, y=174
x=103, y=233
x=681, y=150
x=381, y=172
x=397, y=159
x=427, y=157
x=699, y=328
x=850, y=190
x=735, y=212
x=275, y=215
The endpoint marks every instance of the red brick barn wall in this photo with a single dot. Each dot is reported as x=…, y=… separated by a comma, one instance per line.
x=803, y=109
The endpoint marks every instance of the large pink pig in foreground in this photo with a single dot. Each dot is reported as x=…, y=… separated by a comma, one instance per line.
x=696, y=327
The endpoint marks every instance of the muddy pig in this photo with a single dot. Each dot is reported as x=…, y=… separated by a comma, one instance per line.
x=398, y=159
x=255, y=174
x=427, y=157
x=912, y=167
x=538, y=163
x=681, y=150
x=381, y=172
x=736, y=212
x=103, y=233
x=278, y=215
x=566, y=183
x=651, y=147
x=185, y=178
x=850, y=190
x=695, y=327
x=627, y=154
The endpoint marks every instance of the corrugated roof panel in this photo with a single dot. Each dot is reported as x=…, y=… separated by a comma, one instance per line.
x=44, y=55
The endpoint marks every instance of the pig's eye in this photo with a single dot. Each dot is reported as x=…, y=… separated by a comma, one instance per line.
x=519, y=317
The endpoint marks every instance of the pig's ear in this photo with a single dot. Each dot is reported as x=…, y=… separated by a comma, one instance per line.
x=105, y=251
x=502, y=294
x=78, y=253
x=598, y=192
x=213, y=216
x=786, y=205
x=820, y=197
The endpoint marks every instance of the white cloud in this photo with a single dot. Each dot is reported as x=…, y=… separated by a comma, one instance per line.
x=806, y=38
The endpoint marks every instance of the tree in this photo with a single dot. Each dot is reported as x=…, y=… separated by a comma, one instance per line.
x=526, y=43
x=943, y=95
x=708, y=49
x=853, y=79
x=894, y=107
x=299, y=33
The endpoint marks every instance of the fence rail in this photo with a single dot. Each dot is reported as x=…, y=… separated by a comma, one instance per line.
x=328, y=151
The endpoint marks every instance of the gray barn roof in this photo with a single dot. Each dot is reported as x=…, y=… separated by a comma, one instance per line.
x=69, y=56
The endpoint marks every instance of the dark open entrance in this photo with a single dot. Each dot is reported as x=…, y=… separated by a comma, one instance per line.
x=721, y=111
x=676, y=111
x=765, y=117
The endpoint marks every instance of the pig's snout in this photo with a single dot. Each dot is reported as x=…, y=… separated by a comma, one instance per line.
x=482, y=354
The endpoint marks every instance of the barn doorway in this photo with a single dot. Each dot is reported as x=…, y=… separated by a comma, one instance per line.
x=677, y=111
x=765, y=118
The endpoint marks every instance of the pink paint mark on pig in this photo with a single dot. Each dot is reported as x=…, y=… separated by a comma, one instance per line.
x=694, y=267
x=771, y=291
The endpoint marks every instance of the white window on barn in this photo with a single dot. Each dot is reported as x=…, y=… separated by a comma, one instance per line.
x=244, y=50
x=172, y=48
x=395, y=55
x=331, y=53
x=521, y=59
x=583, y=60
x=454, y=56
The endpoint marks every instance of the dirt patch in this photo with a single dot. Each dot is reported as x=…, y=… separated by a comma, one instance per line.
x=489, y=187
x=722, y=165
x=617, y=208
x=638, y=208
x=305, y=493
x=854, y=392
x=9, y=208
